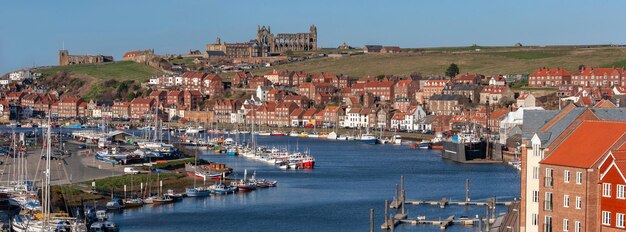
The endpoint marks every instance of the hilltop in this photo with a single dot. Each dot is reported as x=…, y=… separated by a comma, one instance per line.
x=98, y=81
x=472, y=59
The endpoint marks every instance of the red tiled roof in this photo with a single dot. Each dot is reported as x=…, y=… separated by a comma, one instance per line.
x=551, y=72
x=141, y=100
x=494, y=89
x=354, y=110
x=70, y=100
x=605, y=104
x=599, y=71
x=379, y=84
x=298, y=112
x=310, y=112
x=586, y=144
x=194, y=75
x=174, y=93
x=131, y=53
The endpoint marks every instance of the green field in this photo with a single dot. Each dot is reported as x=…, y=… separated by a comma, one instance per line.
x=121, y=70
x=487, y=60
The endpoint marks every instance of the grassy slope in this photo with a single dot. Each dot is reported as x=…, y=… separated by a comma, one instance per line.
x=122, y=70
x=488, y=61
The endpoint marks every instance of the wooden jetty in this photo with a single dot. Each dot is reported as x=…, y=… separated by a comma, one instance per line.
x=445, y=202
x=399, y=203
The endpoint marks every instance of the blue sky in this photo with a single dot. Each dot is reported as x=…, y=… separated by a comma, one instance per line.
x=32, y=32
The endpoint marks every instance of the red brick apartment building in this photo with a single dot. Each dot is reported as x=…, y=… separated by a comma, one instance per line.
x=549, y=77
x=578, y=188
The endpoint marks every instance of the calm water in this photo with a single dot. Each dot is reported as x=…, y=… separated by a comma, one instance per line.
x=349, y=179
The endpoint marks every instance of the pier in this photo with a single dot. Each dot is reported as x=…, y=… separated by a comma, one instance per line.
x=399, y=203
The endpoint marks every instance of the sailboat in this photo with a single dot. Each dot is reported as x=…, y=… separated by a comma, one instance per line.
x=45, y=220
x=244, y=184
x=197, y=191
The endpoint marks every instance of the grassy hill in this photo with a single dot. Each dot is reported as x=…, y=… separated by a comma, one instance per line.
x=121, y=71
x=473, y=59
x=117, y=80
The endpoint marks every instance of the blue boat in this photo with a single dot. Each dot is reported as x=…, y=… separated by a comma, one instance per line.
x=198, y=192
x=231, y=151
x=367, y=138
x=221, y=188
x=425, y=145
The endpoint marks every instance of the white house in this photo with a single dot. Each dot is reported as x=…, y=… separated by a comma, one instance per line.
x=497, y=80
x=4, y=81
x=410, y=120
x=526, y=100
x=356, y=118
x=154, y=81
x=19, y=75
x=261, y=93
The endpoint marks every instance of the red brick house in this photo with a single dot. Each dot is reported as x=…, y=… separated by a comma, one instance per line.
x=242, y=79
x=593, y=77
x=68, y=107
x=175, y=98
x=383, y=90
x=212, y=86
x=139, y=107
x=468, y=79
x=192, y=99
x=283, y=112
x=549, y=77
x=405, y=89
x=301, y=101
x=224, y=108
x=259, y=81
x=159, y=96
x=121, y=110
x=275, y=95
x=569, y=194
x=299, y=78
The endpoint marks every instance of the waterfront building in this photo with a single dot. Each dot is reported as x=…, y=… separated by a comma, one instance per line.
x=540, y=131
x=494, y=94
x=446, y=104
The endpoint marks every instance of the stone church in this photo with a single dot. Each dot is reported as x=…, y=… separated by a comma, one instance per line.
x=265, y=44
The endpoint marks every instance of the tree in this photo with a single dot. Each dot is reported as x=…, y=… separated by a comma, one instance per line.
x=452, y=70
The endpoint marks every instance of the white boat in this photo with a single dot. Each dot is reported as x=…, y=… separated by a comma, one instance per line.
x=332, y=136
x=397, y=139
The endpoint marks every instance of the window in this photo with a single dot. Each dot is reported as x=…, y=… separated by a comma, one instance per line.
x=606, y=189
x=536, y=149
x=547, y=204
x=535, y=196
x=547, y=224
x=619, y=220
x=579, y=177
x=535, y=173
x=565, y=225
x=534, y=217
x=548, y=179
x=606, y=218
x=577, y=226
x=566, y=201
x=579, y=203
x=621, y=189
x=566, y=176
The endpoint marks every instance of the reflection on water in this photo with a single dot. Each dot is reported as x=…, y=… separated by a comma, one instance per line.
x=349, y=179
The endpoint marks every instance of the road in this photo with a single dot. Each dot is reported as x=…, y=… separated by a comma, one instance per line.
x=77, y=167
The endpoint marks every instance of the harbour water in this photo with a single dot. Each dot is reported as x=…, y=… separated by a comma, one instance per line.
x=348, y=180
